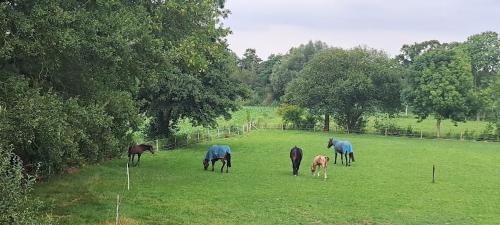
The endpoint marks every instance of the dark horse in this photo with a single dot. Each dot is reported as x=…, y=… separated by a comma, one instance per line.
x=218, y=152
x=344, y=148
x=296, y=157
x=138, y=149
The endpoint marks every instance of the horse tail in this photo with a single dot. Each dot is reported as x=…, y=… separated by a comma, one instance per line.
x=228, y=158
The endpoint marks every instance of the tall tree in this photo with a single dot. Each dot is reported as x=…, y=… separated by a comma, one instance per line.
x=348, y=84
x=264, y=75
x=483, y=51
x=441, y=85
x=189, y=74
x=291, y=64
x=410, y=52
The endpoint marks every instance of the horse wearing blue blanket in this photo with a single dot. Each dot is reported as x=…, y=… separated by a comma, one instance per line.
x=344, y=148
x=218, y=152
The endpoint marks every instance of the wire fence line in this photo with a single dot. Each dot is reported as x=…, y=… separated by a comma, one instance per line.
x=181, y=140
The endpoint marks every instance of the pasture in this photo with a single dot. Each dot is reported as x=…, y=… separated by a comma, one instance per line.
x=267, y=116
x=390, y=183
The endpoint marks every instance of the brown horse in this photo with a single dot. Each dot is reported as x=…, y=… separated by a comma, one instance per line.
x=138, y=150
x=320, y=161
x=296, y=157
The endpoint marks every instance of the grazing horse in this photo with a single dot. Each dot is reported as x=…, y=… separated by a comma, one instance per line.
x=344, y=148
x=218, y=152
x=320, y=161
x=296, y=157
x=138, y=149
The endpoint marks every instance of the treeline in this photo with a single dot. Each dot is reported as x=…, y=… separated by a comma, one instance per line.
x=456, y=81
x=78, y=77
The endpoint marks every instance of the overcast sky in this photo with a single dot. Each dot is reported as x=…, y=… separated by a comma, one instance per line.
x=274, y=26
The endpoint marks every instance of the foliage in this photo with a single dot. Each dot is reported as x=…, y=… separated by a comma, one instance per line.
x=349, y=84
x=296, y=116
x=291, y=64
x=441, y=84
x=190, y=66
x=410, y=52
x=56, y=133
x=17, y=204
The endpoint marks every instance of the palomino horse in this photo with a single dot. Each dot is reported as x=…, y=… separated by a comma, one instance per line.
x=343, y=148
x=138, y=150
x=218, y=152
x=296, y=157
x=320, y=161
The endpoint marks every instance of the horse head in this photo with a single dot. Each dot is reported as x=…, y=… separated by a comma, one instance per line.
x=330, y=143
x=150, y=149
x=205, y=164
x=351, y=156
x=313, y=169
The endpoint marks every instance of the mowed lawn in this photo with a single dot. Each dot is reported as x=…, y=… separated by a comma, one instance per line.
x=390, y=183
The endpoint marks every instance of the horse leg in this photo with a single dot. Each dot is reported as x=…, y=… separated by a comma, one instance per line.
x=335, y=162
x=325, y=172
x=128, y=159
x=213, y=162
x=138, y=158
x=341, y=158
x=227, y=169
x=133, y=156
x=346, y=160
x=223, y=164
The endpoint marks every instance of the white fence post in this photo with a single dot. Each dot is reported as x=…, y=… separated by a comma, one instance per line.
x=117, y=207
x=128, y=178
x=157, y=146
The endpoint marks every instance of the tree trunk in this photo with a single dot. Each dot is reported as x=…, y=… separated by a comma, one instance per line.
x=326, y=126
x=438, y=126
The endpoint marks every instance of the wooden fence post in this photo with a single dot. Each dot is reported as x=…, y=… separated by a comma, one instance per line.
x=421, y=134
x=157, y=146
x=218, y=132
x=198, y=136
x=229, y=131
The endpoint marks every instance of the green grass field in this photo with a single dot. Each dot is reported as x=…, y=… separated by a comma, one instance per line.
x=390, y=183
x=267, y=116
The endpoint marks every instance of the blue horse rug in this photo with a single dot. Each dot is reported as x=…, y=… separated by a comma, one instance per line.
x=217, y=151
x=344, y=147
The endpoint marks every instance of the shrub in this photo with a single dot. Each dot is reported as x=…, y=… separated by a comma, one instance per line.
x=16, y=204
x=45, y=129
x=296, y=116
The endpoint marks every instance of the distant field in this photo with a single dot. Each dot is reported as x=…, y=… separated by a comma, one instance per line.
x=268, y=116
x=390, y=183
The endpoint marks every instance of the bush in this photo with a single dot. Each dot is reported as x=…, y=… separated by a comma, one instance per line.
x=385, y=125
x=16, y=204
x=296, y=117
x=56, y=133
